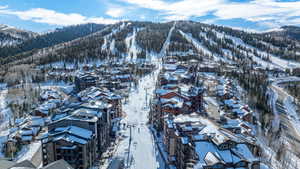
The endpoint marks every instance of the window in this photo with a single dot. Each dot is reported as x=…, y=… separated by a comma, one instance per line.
x=241, y=164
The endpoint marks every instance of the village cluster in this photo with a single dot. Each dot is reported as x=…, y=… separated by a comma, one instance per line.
x=76, y=125
x=197, y=117
x=189, y=135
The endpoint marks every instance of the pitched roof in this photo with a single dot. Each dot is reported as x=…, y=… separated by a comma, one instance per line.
x=5, y=164
x=24, y=165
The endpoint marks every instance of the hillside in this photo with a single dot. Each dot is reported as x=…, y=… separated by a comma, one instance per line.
x=49, y=39
x=291, y=32
x=231, y=72
x=10, y=36
x=133, y=40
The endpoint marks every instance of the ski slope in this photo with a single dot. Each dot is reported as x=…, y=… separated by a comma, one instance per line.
x=138, y=149
x=166, y=44
x=132, y=48
x=274, y=60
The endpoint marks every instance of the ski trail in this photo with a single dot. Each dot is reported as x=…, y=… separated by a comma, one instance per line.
x=112, y=47
x=104, y=45
x=163, y=51
x=292, y=110
x=274, y=60
x=132, y=48
x=227, y=57
x=197, y=44
x=288, y=102
x=107, y=37
x=273, y=96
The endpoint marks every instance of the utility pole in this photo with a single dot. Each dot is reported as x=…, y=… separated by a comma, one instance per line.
x=146, y=96
x=129, y=146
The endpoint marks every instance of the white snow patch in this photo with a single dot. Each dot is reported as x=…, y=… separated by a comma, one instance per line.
x=132, y=48
x=167, y=42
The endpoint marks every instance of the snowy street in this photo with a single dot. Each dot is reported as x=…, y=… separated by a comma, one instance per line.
x=138, y=150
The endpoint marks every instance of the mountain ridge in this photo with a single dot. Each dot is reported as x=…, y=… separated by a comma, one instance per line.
x=135, y=40
x=57, y=36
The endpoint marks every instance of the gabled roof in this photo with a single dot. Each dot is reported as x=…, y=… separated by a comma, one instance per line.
x=5, y=164
x=70, y=138
x=76, y=131
x=24, y=164
x=211, y=159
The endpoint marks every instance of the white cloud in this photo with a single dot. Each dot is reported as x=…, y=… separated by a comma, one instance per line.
x=278, y=12
x=181, y=9
x=3, y=7
x=51, y=17
x=115, y=12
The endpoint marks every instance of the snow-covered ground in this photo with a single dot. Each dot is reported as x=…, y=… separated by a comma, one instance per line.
x=285, y=114
x=132, y=47
x=275, y=61
x=167, y=42
x=201, y=48
x=288, y=103
x=197, y=44
x=5, y=117
x=107, y=38
x=142, y=151
x=273, y=96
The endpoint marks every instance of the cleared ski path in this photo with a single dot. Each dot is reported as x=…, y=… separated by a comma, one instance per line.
x=142, y=152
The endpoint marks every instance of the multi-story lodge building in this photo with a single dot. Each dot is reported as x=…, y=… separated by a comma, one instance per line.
x=73, y=144
x=193, y=141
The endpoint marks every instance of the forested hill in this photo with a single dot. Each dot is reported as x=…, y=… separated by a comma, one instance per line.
x=10, y=36
x=57, y=36
x=292, y=32
x=136, y=40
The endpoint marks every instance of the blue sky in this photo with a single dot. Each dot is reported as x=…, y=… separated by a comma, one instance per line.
x=252, y=15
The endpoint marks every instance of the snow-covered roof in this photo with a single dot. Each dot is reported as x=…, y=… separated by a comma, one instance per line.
x=70, y=138
x=48, y=93
x=37, y=121
x=87, y=112
x=26, y=138
x=244, y=151
x=209, y=154
x=74, y=130
x=170, y=67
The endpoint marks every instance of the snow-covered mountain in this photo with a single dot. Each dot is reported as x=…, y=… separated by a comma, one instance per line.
x=10, y=36
x=135, y=40
x=39, y=41
x=292, y=32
